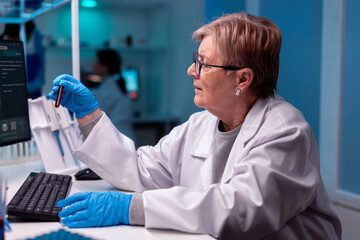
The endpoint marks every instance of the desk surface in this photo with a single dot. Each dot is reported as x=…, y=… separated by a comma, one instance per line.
x=16, y=174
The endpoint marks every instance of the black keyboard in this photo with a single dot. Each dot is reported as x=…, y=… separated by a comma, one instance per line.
x=38, y=196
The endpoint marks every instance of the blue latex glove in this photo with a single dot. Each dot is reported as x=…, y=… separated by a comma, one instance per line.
x=7, y=225
x=76, y=97
x=91, y=209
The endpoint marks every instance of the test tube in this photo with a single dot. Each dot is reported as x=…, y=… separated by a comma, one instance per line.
x=58, y=97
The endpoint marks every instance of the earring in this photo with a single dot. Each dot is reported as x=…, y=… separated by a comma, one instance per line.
x=237, y=92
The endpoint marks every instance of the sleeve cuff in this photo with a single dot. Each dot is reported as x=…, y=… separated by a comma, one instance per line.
x=86, y=129
x=136, y=212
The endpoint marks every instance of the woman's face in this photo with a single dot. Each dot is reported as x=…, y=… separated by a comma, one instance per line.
x=214, y=90
x=100, y=69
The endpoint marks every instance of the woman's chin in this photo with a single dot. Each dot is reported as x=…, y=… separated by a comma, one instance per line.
x=198, y=102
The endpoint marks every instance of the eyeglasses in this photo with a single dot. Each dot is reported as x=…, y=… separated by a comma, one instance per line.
x=199, y=65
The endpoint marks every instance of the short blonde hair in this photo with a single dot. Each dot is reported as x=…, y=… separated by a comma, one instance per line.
x=245, y=40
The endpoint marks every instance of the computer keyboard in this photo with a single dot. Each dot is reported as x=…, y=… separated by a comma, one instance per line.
x=38, y=196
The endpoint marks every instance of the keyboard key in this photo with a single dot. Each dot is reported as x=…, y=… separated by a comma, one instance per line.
x=46, y=179
x=35, y=199
x=43, y=199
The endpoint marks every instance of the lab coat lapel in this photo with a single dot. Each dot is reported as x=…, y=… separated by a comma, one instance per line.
x=249, y=128
x=203, y=147
x=203, y=150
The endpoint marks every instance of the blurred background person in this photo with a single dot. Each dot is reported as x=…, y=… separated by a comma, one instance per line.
x=35, y=52
x=108, y=86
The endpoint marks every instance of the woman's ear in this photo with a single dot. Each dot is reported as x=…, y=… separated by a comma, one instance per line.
x=245, y=77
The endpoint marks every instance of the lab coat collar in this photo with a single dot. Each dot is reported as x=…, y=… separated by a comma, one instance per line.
x=254, y=118
x=249, y=128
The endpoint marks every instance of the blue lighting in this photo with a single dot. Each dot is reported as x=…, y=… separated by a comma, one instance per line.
x=88, y=3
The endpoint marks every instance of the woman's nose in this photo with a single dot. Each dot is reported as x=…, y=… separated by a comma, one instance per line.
x=191, y=71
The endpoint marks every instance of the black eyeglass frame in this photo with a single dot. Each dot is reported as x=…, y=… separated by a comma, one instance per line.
x=198, y=65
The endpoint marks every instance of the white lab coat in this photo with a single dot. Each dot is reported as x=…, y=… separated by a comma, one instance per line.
x=271, y=187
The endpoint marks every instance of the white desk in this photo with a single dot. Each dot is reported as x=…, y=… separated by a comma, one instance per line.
x=16, y=174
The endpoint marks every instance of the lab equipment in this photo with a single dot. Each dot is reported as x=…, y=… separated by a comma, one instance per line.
x=64, y=122
x=58, y=97
x=14, y=116
x=91, y=209
x=47, y=143
x=54, y=126
x=38, y=196
x=76, y=97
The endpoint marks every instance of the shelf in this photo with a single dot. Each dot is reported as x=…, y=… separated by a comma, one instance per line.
x=135, y=5
x=27, y=16
x=121, y=49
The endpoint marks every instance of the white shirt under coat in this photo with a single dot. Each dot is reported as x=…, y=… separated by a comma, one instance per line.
x=271, y=187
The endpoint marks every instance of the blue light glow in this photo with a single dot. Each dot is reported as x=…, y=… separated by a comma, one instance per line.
x=88, y=3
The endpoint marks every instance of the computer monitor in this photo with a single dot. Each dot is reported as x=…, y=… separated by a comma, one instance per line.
x=14, y=113
x=131, y=76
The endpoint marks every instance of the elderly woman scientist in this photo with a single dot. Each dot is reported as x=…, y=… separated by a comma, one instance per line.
x=247, y=167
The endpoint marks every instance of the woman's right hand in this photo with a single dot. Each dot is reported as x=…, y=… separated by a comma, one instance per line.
x=76, y=97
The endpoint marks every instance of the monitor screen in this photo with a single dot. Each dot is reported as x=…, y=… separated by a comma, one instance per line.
x=131, y=76
x=14, y=116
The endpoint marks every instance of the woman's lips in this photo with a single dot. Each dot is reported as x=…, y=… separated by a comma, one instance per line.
x=197, y=90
